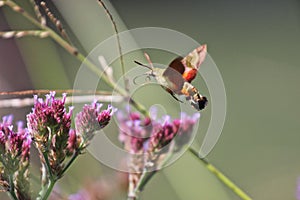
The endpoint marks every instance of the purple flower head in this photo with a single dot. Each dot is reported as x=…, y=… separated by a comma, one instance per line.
x=162, y=135
x=14, y=146
x=5, y=129
x=7, y=120
x=49, y=124
x=104, y=117
x=151, y=135
x=14, y=153
x=91, y=119
x=134, y=131
x=48, y=119
x=73, y=142
x=185, y=127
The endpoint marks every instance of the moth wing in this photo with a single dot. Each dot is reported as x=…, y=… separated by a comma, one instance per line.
x=171, y=93
x=195, y=58
x=192, y=62
x=173, y=75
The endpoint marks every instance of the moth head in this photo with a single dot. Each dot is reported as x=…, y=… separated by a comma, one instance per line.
x=148, y=74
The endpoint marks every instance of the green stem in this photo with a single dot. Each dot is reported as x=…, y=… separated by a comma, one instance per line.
x=10, y=180
x=45, y=155
x=49, y=190
x=73, y=51
x=225, y=180
x=146, y=176
x=75, y=155
x=12, y=187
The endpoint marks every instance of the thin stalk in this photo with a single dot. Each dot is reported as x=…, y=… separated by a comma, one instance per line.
x=73, y=51
x=146, y=176
x=23, y=33
x=37, y=12
x=118, y=42
x=41, y=91
x=131, y=194
x=131, y=198
x=10, y=180
x=75, y=155
x=225, y=180
x=45, y=155
x=55, y=21
x=51, y=181
x=49, y=190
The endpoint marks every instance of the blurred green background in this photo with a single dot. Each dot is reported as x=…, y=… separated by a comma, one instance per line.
x=256, y=46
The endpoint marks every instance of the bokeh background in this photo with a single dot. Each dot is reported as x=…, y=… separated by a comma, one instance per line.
x=256, y=47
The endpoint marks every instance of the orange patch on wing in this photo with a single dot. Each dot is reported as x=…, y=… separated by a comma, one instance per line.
x=190, y=75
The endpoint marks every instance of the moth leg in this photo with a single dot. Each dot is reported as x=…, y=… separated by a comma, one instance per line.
x=171, y=93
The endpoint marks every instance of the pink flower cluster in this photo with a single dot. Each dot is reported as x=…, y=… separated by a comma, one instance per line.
x=49, y=120
x=92, y=119
x=14, y=158
x=14, y=145
x=49, y=124
x=151, y=135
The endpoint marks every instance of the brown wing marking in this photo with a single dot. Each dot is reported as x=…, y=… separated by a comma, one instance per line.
x=173, y=74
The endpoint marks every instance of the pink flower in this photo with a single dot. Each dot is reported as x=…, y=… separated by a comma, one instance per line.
x=49, y=124
x=185, y=127
x=49, y=119
x=15, y=146
x=14, y=157
x=73, y=142
x=151, y=135
x=134, y=131
x=91, y=119
x=162, y=135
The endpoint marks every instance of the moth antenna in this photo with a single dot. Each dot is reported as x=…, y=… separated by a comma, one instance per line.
x=149, y=60
x=148, y=75
x=141, y=64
